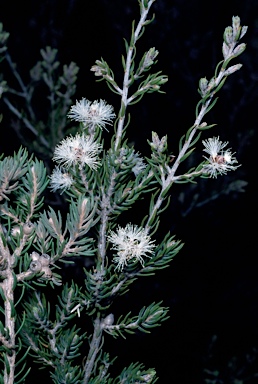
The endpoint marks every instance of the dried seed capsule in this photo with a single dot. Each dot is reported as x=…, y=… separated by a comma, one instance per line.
x=28, y=228
x=35, y=266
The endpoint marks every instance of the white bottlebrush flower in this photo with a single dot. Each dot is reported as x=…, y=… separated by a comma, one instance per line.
x=220, y=161
x=131, y=243
x=80, y=149
x=60, y=179
x=91, y=114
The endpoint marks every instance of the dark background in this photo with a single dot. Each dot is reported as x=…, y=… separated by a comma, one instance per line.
x=211, y=286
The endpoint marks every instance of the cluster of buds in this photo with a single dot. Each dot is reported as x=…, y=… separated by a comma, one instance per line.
x=100, y=69
x=26, y=229
x=147, y=61
x=149, y=57
x=234, y=33
x=231, y=36
x=40, y=263
x=158, y=145
x=229, y=49
x=206, y=86
x=155, y=83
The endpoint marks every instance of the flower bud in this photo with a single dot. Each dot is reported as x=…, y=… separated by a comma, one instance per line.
x=100, y=69
x=44, y=259
x=47, y=271
x=239, y=49
x=84, y=203
x=225, y=50
x=97, y=70
x=211, y=84
x=228, y=35
x=109, y=320
x=232, y=69
x=203, y=84
x=243, y=31
x=155, y=87
x=159, y=145
x=150, y=57
x=35, y=256
x=236, y=27
x=28, y=228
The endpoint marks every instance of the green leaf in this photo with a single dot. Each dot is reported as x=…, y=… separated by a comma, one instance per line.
x=186, y=155
x=211, y=105
x=206, y=127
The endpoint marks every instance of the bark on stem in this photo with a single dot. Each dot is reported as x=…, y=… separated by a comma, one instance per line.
x=126, y=81
x=10, y=326
x=94, y=349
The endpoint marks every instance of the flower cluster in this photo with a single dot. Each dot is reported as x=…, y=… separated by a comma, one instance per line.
x=91, y=114
x=80, y=149
x=132, y=243
x=220, y=161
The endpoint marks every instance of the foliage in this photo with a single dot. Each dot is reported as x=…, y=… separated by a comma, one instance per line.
x=40, y=107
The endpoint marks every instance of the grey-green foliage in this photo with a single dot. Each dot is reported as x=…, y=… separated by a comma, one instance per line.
x=35, y=240
x=40, y=125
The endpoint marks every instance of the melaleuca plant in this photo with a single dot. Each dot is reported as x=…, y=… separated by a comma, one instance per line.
x=99, y=185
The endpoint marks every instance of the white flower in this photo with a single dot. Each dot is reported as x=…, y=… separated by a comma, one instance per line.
x=132, y=243
x=60, y=179
x=91, y=114
x=80, y=149
x=219, y=161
